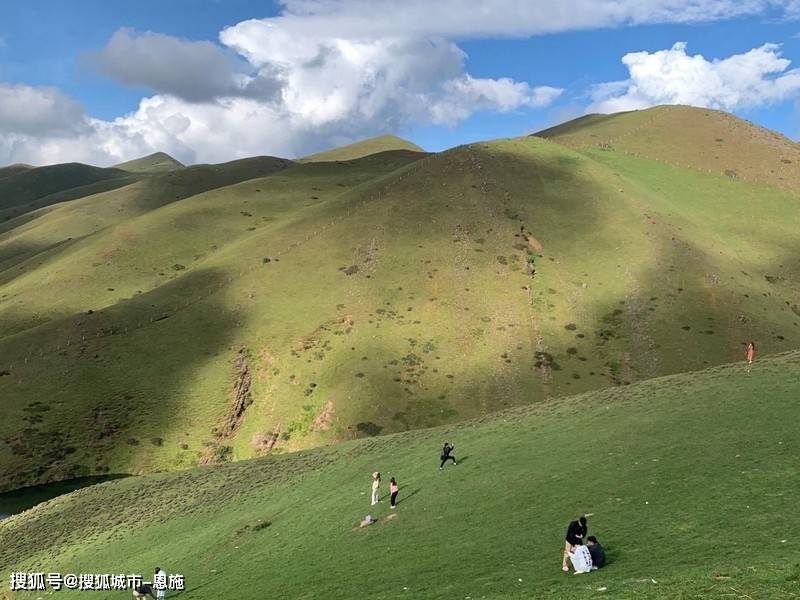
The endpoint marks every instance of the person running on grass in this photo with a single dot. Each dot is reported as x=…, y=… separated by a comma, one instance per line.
x=446, y=450
x=576, y=531
x=376, y=488
x=751, y=353
x=393, y=489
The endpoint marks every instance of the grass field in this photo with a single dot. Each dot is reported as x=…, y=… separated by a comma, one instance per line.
x=216, y=313
x=689, y=479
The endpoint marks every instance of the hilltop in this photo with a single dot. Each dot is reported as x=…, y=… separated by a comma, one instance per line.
x=158, y=162
x=385, y=143
x=13, y=169
x=661, y=467
x=701, y=139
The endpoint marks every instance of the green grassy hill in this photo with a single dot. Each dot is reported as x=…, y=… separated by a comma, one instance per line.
x=13, y=170
x=159, y=162
x=689, y=480
x=329, y=301
x=702, y=139
x=27, y=185
x=384, y=143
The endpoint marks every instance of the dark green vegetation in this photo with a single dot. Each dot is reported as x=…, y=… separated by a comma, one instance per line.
x=690, y=479
x=24, y=188
x=220, y=312
x=21, y=499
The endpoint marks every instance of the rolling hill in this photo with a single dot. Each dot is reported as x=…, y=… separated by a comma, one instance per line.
x=158, y=162
x=13, y=170
x=24, y=186
x=385, y=143
x=702, y=139
x=315, y=302
x=688, y=481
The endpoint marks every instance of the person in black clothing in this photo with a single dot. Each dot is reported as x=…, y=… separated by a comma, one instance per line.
x=446, y=450
x=597, y=552
x=575, y=534
x=142, y=591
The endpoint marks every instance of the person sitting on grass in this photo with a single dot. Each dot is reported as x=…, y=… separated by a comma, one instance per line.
x=446, y=450
x=368, y=520
x=597, y=552
x=581, y=559
x=143, y=591
x=575, y=534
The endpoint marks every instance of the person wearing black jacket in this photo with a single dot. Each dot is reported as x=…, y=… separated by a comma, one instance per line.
x=576, y=531
x=597, y=552
x=446, y=450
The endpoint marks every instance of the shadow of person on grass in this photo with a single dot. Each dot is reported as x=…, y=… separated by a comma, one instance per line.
x=405, y=497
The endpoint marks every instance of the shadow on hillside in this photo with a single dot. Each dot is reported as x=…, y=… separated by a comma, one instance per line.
x=102, y=392
x=15, y=254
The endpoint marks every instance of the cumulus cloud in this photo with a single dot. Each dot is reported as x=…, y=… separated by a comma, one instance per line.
x=325, y=72
x=756, y=78
x=39, y=111
x=194, y=71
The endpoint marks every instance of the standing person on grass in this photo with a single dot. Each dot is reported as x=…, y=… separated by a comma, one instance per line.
x=393, y=489
x=376, y=488
x=576, y=531
x=751, y=353
x=160, y=583
x=446, y=450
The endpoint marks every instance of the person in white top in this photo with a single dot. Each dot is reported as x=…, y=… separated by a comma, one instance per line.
x=581, y=559
x=376, y=485
x=160, y=583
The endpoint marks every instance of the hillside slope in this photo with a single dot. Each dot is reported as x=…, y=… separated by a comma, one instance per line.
x=337, y=300
x=688, y=481
x=384, y=143
x=28, y=185
x=703, y=139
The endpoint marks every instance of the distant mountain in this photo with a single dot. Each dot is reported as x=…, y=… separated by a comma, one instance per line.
x=697, y=138
x=384, y=143
x=158, y=162
x=13, y=169
x=25, y=184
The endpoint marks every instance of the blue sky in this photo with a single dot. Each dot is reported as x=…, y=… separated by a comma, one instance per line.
x=497, y=79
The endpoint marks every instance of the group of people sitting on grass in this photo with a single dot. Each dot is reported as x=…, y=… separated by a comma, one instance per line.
x=585, y=553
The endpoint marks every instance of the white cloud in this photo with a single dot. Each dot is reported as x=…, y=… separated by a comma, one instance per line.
x=742, y=81
x=322, y=72
x=39, y=111
x=492, y=18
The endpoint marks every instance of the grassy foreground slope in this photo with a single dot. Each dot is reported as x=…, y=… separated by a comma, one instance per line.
x=690, y=480
x=337, y=300
x=384, y=143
